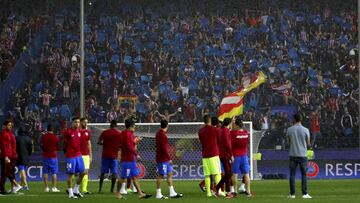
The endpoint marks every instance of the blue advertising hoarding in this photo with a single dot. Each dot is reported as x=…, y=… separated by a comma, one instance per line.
x=328, y=164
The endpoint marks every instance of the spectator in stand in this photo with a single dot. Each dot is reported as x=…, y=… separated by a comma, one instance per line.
x=307, y=50
x=315, y=127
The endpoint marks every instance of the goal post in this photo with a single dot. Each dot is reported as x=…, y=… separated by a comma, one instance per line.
x=184, y=149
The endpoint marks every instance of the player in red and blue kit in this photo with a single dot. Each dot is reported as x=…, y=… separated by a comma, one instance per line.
x=73, y=158
x=50, y=145
x=128, y=161
x=110, y=140
x=163, y=162
x=226, y=156
x=239, y=141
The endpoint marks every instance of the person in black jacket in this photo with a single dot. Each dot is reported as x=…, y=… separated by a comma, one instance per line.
x=24, y=148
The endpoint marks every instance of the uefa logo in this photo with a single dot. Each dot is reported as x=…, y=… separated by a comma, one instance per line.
x=141, y=170
x=313, y=170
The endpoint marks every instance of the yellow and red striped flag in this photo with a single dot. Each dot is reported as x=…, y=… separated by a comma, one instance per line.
x=251, y=83
x=232, y=105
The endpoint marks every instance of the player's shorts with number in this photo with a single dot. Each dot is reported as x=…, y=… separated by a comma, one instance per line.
x=75, y=165
x=241, y=165
x=128, y=169
x=109, y=165
x=164, y=168
x=211, y=166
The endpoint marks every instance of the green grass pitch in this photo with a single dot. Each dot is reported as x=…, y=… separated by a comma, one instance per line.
x=325, y=191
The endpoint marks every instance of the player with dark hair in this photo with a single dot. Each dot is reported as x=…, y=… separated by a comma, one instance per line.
x=73, y=158
x=24, y=149
x=110, y=140
x=299, y=140
x=239, y=141
x=128, y=161
x=8, y=158
x=208, y=136
x=163, y=162
x=50, y=145
x=226, y=156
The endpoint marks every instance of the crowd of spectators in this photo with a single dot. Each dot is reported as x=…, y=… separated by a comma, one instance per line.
x=177, y=59
x=17, y=28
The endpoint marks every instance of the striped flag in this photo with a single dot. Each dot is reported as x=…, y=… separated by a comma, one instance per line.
x=251, y=83
x=232, y=105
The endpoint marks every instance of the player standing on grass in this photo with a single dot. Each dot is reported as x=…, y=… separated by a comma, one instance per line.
x=299, y=139
x=226, y=157
x=8, y=158
x=50, y=145
x=126, y=187
x=73, y=158
x=86, y=153
x=239, y=141
x=110, y=140
x=128, y=161
x=24, y=149
x=217, y=124
x=208, y=136
x=163, y=162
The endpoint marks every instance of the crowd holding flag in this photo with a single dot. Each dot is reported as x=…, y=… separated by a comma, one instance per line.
x=232, y=104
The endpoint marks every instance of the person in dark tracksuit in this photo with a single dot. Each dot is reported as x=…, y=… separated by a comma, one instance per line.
x=24, y=148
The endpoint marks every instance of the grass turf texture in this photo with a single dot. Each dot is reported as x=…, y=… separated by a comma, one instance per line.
x=266, y=191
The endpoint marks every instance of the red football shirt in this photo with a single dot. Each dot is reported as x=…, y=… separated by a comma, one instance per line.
x=85, y=138
x=127, y=146
x=72, y=138
x=8, y=144
x=111, y=139
x=224, y=144
x=208, y=136
x=239, y=141
x=50, y=145
x=162, y=150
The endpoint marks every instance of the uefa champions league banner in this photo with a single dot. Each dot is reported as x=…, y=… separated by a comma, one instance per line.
x=327, y=164
x=317, y=169
x=188, y=165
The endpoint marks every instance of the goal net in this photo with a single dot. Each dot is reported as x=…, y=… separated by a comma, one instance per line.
x=184, y=149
